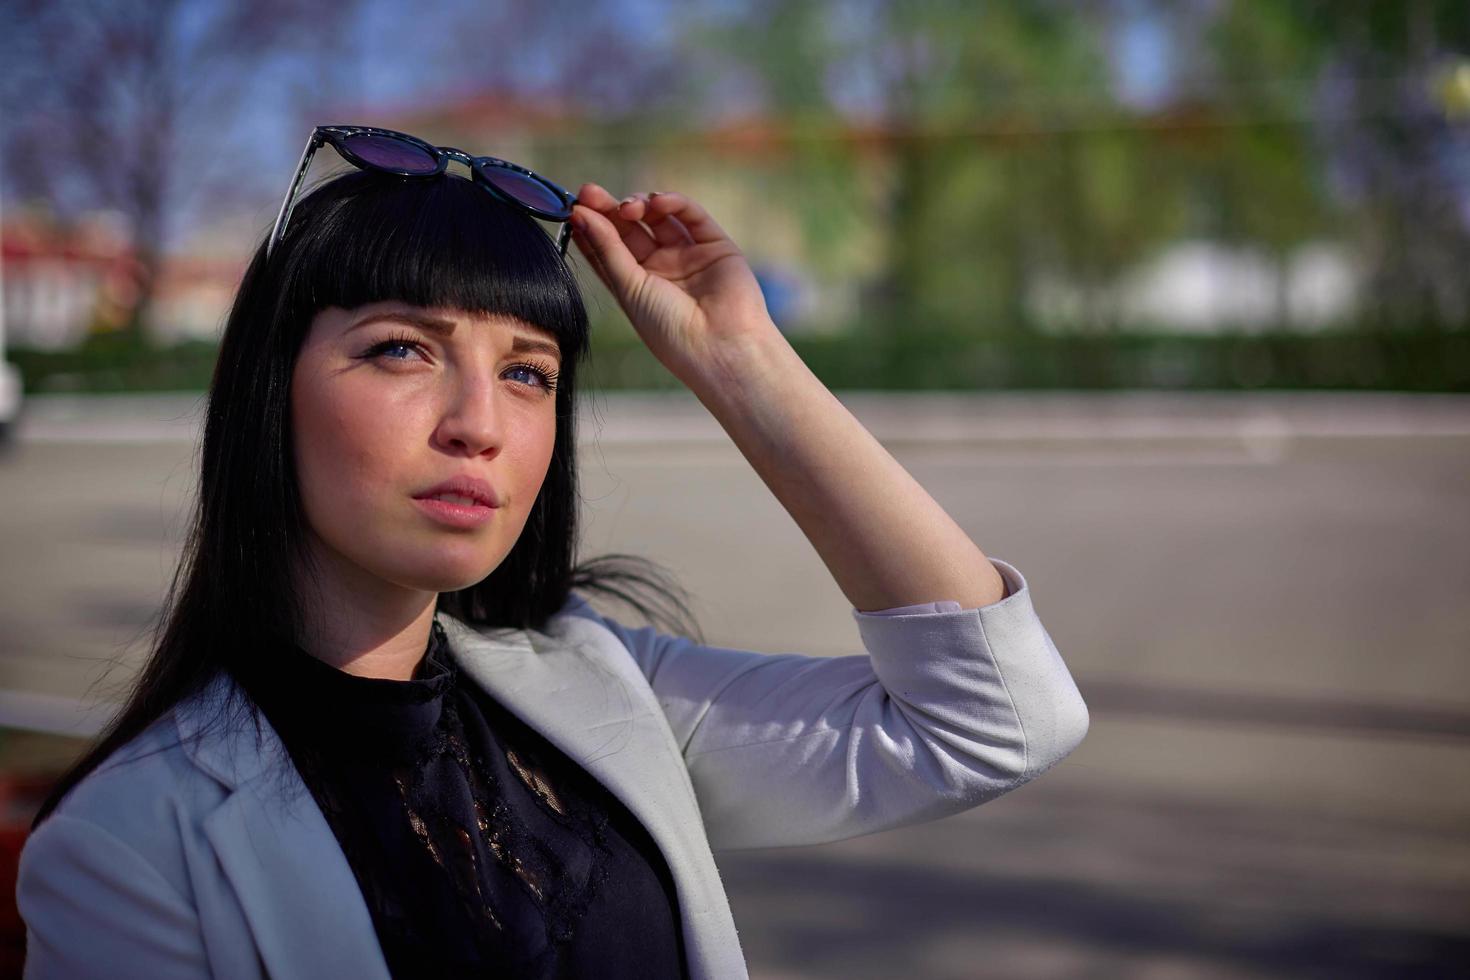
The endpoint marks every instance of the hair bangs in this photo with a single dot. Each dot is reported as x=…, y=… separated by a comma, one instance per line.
x=445, y=242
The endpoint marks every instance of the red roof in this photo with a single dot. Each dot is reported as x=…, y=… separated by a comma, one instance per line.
x=465, y=110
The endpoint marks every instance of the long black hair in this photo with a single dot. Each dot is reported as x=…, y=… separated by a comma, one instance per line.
x=361, y=238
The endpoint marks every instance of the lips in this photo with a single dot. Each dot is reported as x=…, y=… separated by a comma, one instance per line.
x=463, y=490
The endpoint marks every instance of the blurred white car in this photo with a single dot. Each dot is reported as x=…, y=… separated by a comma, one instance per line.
x=10, y=389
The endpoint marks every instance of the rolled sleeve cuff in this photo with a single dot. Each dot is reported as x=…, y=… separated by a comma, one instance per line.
x=1013, y=582
x=994, y=668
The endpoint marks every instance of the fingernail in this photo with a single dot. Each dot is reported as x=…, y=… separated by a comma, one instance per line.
x=629, y=200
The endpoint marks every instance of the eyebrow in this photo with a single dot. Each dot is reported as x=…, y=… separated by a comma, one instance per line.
x=444, y=328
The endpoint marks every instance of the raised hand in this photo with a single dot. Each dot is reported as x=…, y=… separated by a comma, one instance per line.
x=684, y=285
x=693, y=299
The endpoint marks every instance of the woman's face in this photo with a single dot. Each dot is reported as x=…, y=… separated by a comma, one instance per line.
x=388, y=401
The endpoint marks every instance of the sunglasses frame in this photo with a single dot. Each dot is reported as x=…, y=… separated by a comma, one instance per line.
x=338, y=137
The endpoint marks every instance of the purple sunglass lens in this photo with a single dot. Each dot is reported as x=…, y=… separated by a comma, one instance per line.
x=395, y=154
x=527, y=190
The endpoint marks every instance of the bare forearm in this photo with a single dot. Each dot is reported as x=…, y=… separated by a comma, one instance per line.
x=885, y=540
x=689, y=292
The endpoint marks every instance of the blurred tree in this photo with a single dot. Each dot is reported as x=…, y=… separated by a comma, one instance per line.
x=1259, y=175
x=611, y=60
x=1025, y=177
x=955, y=94
x=1008, y=155
x=1400, y=155
x=614, y=85
x=784, y=62
x=132, y=105
x=1343, y=98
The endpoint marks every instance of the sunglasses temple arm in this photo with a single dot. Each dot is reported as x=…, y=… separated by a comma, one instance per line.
x=289, y=204
x=563, y=237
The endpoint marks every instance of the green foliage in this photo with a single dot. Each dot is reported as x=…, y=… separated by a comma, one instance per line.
x=118, y=361
x=951, y=155
x=918, y=358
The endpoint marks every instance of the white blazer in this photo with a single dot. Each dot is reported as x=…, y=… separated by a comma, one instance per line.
x=179, y=857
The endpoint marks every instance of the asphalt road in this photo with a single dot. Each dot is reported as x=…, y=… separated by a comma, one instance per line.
x=1263, y=599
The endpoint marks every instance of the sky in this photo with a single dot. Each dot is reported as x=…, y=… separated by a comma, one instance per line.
x=1141, y=59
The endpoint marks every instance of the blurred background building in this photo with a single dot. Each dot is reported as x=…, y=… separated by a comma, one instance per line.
x=989, y=172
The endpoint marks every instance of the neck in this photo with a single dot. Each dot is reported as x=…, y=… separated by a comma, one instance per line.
x=363, y=625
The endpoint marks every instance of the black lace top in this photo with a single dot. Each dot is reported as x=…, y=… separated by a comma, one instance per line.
x=482, y=850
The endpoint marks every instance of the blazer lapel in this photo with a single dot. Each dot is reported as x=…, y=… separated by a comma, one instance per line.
x=596, y=710
x=304, y=906
x=299, y=894
x=592, y=702
x=301, y=897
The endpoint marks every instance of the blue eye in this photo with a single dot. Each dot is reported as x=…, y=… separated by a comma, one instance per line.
x=546, y=376
x=391, y=344
x=543, y=376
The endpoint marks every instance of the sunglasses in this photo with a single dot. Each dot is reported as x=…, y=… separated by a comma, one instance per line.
x=408, y=156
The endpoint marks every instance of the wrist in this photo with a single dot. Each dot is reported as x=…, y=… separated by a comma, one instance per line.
x=732, y=368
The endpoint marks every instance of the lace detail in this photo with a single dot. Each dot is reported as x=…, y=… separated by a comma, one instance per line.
x=537, y=783
x=562, y=898
x=474, y=842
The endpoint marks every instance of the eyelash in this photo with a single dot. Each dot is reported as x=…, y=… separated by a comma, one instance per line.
x=547, y=372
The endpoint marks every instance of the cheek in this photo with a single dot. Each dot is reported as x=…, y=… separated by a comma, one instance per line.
x=347, y=451
x=521, y=471
x=540, y=451
x=536, y=456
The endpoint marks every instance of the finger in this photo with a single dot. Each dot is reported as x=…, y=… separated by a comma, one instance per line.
x=596, y=196
x=583, y=238
x=632, y=207
x=605, y=248
x=667, y=229
x=638, y=239
x=701, y=227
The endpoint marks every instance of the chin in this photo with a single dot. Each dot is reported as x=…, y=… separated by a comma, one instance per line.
x=446, y=574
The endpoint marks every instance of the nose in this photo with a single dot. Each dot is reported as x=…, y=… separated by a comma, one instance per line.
x=471, y=423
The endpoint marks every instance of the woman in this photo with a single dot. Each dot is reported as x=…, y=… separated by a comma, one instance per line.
x=380, y=733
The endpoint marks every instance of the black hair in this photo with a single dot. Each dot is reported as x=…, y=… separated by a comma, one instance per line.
x=360, y=238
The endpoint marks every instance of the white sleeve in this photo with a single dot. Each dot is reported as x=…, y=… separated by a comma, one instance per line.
x=93, y=907
x=945, y=711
